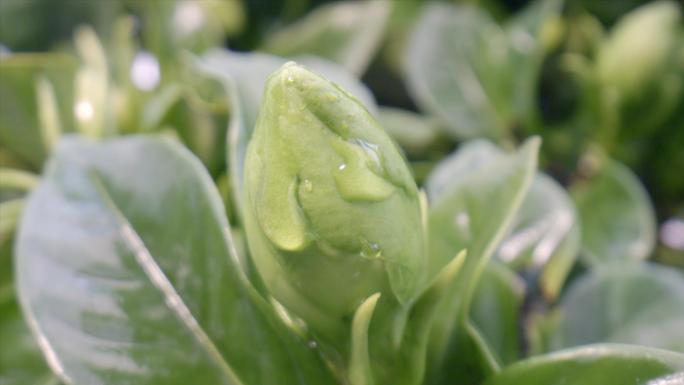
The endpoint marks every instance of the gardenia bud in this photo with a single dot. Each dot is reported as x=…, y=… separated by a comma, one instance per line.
x=332, y=213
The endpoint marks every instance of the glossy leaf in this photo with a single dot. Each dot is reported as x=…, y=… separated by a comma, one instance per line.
x=473, y=213
x=400, y=351
x=639, y=304
x=497, y=303
x=617, y=218
x=244, y=76
x=593, y=365
x=346, y=32
x=465, y=79
x=127, y=276
x=545, y=235
x=21, y=361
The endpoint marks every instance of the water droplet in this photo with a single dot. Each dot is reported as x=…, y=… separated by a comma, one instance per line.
x=342, y=167
x=290, y=79
x=371, y=250
x=308, y=186
x=312, y=344
x=371, y=150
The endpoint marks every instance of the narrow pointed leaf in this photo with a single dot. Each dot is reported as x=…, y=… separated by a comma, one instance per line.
x=360, y=372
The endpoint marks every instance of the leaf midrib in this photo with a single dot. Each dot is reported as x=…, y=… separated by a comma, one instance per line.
x=173, y=301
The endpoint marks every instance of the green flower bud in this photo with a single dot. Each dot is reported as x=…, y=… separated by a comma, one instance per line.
x=332, y=213
x=639, y=47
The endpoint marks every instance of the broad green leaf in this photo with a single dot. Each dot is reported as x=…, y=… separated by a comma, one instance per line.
x=446, y=76
x=624, y=303
x=470, y=158
x=616, y=215
x=480, y=81
x=20, y=124
x=673, y=379
x=346, y=32
x=545, y=236
x=126, y=270
x=473, y=213
x=495, y=311
x=244, y=75
x=21, y=361
x=415, y=133
x=593, y=365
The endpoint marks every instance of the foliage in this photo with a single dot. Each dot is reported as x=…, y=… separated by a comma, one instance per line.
x=357, y=193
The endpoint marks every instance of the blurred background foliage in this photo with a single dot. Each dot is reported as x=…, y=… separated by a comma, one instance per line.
x=602, y=82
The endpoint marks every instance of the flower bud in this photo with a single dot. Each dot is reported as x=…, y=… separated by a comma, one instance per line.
x=639, y=48
x=332, y=213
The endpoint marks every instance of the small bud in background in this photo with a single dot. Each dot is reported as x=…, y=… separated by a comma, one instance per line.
x=639, y=48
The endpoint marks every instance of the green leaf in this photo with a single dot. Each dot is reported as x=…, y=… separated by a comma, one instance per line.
x=128, y=275
x=624, y=303
x=527, y=34
x=415, y=133
x=20, y=121
x=21, y=361
x=400, y=351
x=346, y=32
x=545, y=235
x=360, y=372
x=446, y=76
x=473, y=213
x=15, y=179
x=10, y=214
x=592, y=365
x=481, y=80
x=617, y=219
x=495, y=312
x=244, y=75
